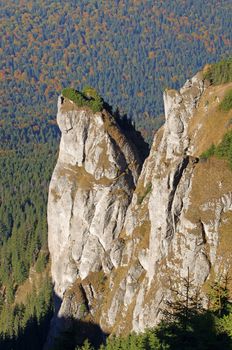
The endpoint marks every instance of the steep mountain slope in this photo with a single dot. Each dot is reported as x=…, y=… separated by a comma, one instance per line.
x=117, y=257
x=180, y=214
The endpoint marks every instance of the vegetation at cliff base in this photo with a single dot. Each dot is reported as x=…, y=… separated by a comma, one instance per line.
x=23, y=226
x=89, y=97
x=186, y=325
x=27, y=158
x=220, y=72
x=25, y=325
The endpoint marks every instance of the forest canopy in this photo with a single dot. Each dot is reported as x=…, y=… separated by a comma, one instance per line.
x=130, y=51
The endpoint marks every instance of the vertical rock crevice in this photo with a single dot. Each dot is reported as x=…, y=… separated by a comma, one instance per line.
x=120, y=234
x=90, y=191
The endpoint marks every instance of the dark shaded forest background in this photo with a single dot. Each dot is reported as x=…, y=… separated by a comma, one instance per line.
x=130, y=51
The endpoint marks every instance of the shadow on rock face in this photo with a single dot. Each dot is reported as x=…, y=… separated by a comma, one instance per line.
x=128, y=129
x=75, y=333
x=65, y=333
x=53, y=333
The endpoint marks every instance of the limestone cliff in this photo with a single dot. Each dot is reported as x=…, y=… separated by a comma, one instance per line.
x=89, y=194
x=180, y=212
x=116, y=250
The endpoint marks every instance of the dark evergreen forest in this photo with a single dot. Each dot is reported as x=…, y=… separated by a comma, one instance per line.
x=130, y=51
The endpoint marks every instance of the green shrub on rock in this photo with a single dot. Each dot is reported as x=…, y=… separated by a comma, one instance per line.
x=220, y=72
x=223, y=150
x=89, y=97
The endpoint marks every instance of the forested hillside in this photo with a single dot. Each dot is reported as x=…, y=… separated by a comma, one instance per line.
x=25, y=287
x=129, y=51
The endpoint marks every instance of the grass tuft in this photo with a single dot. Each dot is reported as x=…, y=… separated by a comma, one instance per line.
x=222, y=151
x=226, y=103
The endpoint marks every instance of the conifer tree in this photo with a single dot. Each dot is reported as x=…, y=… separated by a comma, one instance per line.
x=219, y=295
x=187, y=303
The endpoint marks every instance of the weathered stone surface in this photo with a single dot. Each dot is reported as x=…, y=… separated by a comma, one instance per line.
x=176, y=221
x=90, y=191
x=179, y=237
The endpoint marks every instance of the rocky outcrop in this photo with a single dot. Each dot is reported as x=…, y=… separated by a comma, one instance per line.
x=176, y=222
x=178, y=218
x=90, y=191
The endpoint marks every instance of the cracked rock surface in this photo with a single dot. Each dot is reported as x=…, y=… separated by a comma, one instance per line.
x=90, y=191
x=178, y=219
x=123, y=237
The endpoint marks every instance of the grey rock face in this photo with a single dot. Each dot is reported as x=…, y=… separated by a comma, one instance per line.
x=89, y=193
x=176, y=243
x=145, y=234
